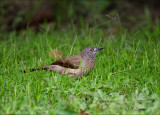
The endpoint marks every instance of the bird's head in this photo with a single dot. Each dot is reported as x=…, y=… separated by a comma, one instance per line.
x=90, y=51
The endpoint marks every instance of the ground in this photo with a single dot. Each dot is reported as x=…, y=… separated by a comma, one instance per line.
x=125, y=80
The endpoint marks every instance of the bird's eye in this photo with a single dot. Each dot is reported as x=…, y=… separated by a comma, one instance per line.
x=92, y=50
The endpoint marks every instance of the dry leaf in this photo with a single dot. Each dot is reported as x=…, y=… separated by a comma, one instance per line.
x=55, y=53
x=82, y=112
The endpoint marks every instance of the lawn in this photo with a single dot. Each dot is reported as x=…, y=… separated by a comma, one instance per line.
x=125, y=80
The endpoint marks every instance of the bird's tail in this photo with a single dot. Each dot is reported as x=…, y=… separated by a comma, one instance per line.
x=34, y=69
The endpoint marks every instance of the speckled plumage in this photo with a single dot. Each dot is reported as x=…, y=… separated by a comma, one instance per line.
x=74, y=66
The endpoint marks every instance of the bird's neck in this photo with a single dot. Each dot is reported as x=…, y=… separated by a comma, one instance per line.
x=87, y=57
x=87, y=61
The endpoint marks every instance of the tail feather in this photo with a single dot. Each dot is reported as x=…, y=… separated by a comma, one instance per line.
x=34, y=69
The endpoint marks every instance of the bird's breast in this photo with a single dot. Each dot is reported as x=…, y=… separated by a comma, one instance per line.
x=88, y=64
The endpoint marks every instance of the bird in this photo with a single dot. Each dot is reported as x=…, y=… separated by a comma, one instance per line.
x=74, y=66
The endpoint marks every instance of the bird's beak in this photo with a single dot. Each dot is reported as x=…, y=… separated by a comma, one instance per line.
x=99, y=48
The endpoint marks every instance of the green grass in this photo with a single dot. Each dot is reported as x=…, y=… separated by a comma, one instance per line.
x=125, y=80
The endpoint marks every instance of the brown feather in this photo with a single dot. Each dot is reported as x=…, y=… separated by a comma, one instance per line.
x=74, y=66
x=69, y=62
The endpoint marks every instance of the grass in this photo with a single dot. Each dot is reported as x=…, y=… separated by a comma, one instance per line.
x=125, y=80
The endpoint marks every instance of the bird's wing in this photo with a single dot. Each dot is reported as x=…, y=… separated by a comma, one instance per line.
x=69, y=62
